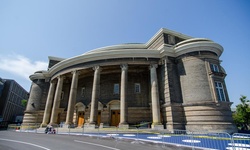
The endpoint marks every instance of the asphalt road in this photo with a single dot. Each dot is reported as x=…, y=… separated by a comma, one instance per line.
x=10, y=140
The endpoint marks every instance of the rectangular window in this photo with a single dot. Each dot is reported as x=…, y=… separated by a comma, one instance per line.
x=116, y=88
x=137, y=88
x=62, y=95
x=220, y=91
x=83, y=92
x=214, y=68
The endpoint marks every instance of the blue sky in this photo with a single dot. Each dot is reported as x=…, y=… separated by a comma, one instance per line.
x=30, y=31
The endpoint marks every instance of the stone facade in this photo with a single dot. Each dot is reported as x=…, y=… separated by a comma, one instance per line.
x=173, y=81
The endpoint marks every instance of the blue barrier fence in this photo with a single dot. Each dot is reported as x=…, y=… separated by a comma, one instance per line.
x=194, y=140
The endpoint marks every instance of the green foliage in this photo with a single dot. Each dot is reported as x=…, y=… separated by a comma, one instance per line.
x=242, y=115
x=24, y=102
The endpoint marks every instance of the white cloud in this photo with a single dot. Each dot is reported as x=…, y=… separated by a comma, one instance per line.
x=20, y=65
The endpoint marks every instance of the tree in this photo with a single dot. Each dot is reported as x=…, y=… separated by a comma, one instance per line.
x=242, y=115
x=24, y=102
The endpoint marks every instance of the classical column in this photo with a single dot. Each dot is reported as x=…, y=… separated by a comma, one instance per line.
x=123, y=105
x=48, y=106
x=72, y=98
x=155, y=96
x=57, y=100
x=95, y=96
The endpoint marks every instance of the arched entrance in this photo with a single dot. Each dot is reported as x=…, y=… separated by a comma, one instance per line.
x=80, y=112
x=99, y=113
x=114, y=106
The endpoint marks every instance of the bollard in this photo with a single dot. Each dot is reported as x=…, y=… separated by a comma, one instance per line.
x=57, y=129
x=162, y=136
x=116, y=134
x=98, y=132
x=82, y=129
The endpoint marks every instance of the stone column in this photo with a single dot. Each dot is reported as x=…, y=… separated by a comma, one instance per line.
x=155, y=98
x=57, y=99
x=31, y=114
x=72, y=98
x=48, y=106
x=95, y=96
x=123, y=106
x=35, y=96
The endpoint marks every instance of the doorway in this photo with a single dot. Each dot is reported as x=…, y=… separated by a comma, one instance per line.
x=58, y=118
x=80, y=118
x=99, y=118
x=115, y=117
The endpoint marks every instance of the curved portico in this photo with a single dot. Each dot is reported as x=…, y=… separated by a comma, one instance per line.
x=98, y=75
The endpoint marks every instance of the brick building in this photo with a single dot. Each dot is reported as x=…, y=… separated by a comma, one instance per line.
x=173, y=81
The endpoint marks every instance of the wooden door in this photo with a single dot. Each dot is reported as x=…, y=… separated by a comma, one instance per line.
x=99, y=118
x=80, y=119
x=115, y=117
x=58, y=118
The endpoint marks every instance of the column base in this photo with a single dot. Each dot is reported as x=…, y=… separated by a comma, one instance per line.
x=103, y=125
x=53, y=124
x=124, y=125
x=43, y=125
x=157, y=126
x=89, y=126
x=175, y=126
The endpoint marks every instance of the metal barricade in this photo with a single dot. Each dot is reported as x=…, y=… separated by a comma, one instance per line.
x=240, y=141
x=211, y=140
x=196, y=140
x=191, y=139
x=177, y=137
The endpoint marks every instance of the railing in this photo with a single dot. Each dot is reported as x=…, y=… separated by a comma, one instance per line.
x=27, y=128
x=164, y=138
x=241, y=141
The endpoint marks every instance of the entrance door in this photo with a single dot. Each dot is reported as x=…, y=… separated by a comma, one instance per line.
x=80, y=119
x=99, y=118
x=58, y=118
x=115, y=117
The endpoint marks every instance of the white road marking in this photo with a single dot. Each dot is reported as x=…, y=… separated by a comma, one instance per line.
x=154, y=137
x=237, y=148
x=128, y=134
x=239, y=144
x=25, y=143
x=191, y=141
x=96, y=145
x=112, y=134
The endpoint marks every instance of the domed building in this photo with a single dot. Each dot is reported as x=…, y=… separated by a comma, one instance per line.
x=173, y=81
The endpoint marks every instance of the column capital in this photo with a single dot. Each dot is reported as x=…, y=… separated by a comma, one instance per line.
x=124, y=66
x=61, y=77
x=164, y=60
x=97, y=68
x=75, y=72
x=153, y=66
x=52, y=81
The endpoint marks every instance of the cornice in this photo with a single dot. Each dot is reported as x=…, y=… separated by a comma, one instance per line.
x=199, y=46
x=100, y=55
x=134, y=50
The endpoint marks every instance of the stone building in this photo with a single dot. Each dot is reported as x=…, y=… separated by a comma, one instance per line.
x=173, y=81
